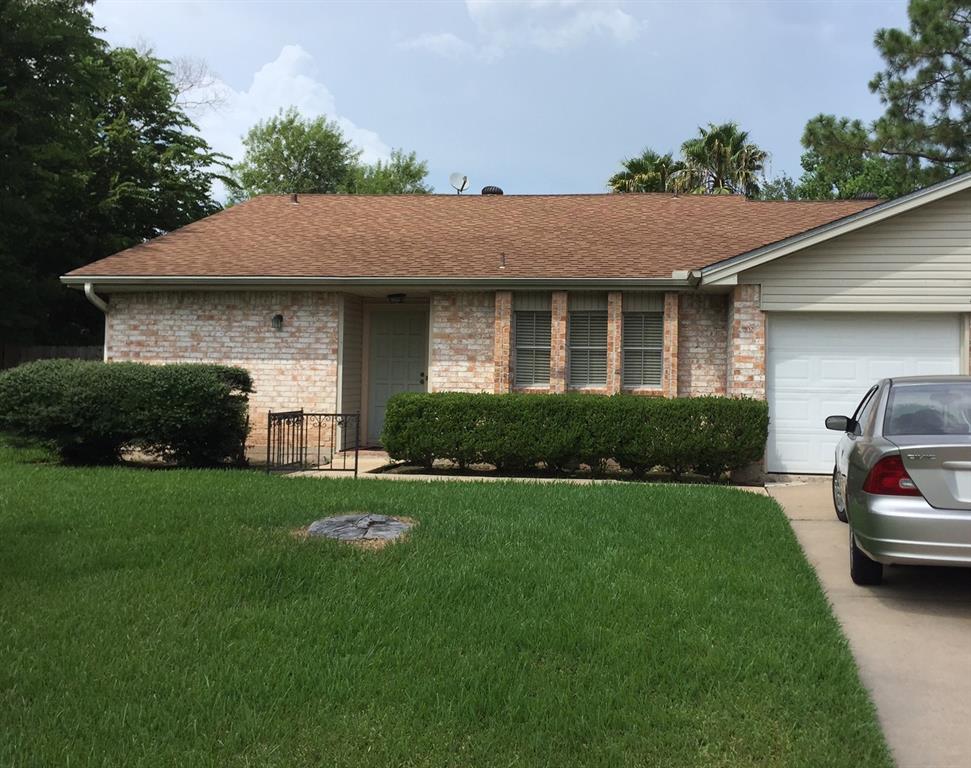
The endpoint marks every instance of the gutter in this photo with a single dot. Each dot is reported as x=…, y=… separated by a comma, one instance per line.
x=677, y=280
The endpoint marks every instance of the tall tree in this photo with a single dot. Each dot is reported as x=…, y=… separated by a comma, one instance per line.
x=402, y=174
x=95, y=155
x=150, y=170
x=51, y=76
x=925, y=133
x=720, y=160
x=648, y=172
x=291, y=153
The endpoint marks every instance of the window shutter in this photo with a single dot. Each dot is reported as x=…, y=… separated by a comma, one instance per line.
x=532, y=348
x=643, y=349
x=588, y=349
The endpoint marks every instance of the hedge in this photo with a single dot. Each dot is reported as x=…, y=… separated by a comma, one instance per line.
x=705, y=435
x=192, y=414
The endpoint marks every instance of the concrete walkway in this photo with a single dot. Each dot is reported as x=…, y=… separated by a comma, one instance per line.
x=911, y=636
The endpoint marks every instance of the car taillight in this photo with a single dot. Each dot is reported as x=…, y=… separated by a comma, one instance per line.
x=889, y=478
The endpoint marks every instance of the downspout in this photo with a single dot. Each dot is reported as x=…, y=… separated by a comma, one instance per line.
x=95, y=298
x=103, y=306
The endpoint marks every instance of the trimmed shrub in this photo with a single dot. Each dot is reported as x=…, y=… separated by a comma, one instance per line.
x=193, y=414
x=705, y=435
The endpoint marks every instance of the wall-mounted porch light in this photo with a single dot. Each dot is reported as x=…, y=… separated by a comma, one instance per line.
x=277, y=322
x=396, y=298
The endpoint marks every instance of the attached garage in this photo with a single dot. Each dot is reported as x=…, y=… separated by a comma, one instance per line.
x=881, y=293
x=820, y=364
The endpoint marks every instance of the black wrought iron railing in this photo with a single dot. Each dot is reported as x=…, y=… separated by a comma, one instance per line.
x=298, y=440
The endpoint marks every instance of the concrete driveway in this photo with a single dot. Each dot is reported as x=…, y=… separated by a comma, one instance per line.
x=911, y=636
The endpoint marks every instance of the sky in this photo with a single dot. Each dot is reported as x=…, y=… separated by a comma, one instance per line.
x=541, y=96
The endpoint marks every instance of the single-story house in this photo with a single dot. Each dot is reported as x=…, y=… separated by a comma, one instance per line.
x=337, y=302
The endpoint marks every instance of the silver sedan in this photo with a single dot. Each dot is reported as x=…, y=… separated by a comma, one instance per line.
x=902, y=478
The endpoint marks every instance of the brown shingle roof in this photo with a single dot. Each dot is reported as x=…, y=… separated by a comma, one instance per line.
x=444, y=236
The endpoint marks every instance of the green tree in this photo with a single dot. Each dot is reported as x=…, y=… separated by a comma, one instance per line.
x=782, y=187
x=648, y=172
x=289, y=153
x=95, y=156
x=150, y=171
x=720, y=160
x=924, y=134
x=402, y=174
x=51, y=75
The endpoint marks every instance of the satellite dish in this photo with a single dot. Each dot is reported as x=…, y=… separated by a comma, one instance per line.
x=459, y=182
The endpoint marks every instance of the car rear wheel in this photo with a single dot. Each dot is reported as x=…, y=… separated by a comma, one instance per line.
x=838, y=503
x=864, y=571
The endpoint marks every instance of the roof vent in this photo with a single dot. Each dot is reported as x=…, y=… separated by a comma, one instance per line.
x=866, y=196
x=491, y=190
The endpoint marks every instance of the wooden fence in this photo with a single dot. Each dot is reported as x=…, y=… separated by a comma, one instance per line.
x=13, y=354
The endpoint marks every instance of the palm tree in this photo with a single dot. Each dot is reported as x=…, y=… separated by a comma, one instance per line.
x=649, y=172
x=721, y=160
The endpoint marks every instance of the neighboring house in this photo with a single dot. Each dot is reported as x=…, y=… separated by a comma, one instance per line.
x=335, y=303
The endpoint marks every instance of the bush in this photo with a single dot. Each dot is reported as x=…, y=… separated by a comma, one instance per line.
x=89, y=412
x=706, y=435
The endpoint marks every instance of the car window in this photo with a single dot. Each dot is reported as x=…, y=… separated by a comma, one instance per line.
x=861, y=413
x=942, y=408
x=864, y=418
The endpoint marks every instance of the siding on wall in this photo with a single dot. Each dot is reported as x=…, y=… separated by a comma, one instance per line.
x=642, y=301
x=295, y=367
x=587, y=301
x=919, y=261
x=353, y=342
x=462, y=355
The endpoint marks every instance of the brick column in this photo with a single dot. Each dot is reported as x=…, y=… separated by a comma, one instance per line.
x=669, y=378
x=615, y=329
x=502, y=351
x=558, y=341
x=746, y=343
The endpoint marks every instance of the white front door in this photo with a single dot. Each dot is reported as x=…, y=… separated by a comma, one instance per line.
x=397, y=361
x=821, y=364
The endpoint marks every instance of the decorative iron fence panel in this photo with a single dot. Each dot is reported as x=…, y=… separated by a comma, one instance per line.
x=299, y=440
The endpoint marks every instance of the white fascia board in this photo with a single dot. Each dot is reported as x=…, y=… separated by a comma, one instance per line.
x=718, y=271
x=266, y=281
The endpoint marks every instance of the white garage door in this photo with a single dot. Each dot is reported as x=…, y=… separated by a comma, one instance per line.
x=822, y=364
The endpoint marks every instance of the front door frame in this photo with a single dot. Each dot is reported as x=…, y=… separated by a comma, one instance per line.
x=369, y=309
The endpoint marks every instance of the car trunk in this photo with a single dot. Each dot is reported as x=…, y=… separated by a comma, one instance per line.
x=940, y=466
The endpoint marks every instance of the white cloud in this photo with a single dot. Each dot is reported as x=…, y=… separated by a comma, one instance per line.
x=290, y=80
x=443, y=44
x=549, y=25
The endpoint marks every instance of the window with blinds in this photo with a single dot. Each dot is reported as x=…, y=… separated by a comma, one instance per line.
x=532, y=348
x=588, y=349
x=643, y=349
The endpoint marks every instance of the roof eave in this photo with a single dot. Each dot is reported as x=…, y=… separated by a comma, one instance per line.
x=679, y=280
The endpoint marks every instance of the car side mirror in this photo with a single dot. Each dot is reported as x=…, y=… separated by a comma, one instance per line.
x=840, y=423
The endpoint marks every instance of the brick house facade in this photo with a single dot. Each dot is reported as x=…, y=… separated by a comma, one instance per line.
x=335, y=303
x=712, y=343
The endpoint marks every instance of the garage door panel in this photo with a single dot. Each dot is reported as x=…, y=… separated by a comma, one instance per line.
x=818, y=365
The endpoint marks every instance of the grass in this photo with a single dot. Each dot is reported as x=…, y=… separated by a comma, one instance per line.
x=168, y=618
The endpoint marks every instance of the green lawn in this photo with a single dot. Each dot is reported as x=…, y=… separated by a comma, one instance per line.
x=168, y=618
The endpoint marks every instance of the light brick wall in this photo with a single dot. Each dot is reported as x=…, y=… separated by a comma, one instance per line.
x=615, y=320
x=502, y=346
x=669, y=377
x=558, y=341
x=746, y=343
x=702, y=344
x=462, y=357
x=295, y=367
